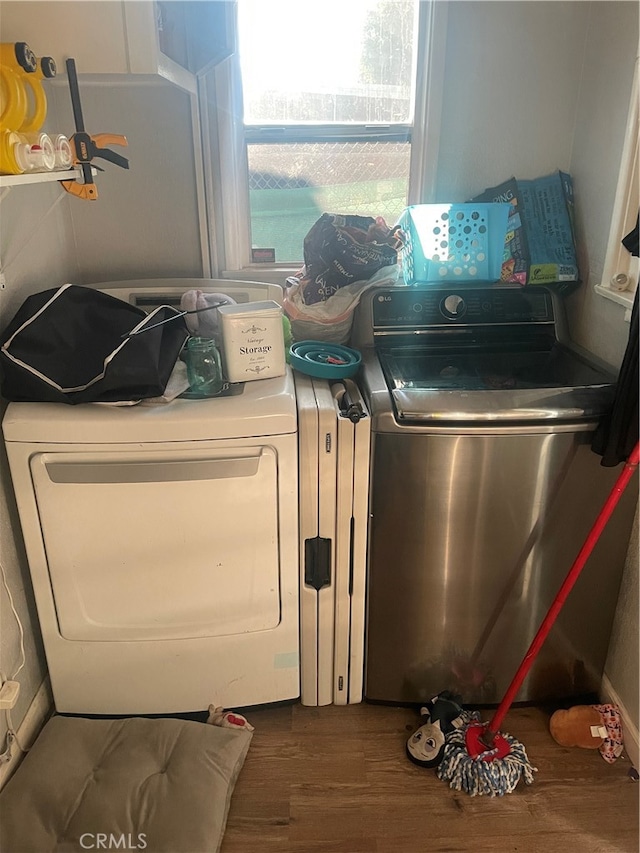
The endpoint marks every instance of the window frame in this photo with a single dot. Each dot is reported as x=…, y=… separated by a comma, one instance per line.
x=225, y=151
x=618, y=260
x=265, y=134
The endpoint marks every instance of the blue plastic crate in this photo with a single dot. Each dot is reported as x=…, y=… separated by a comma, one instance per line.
x=453, y=242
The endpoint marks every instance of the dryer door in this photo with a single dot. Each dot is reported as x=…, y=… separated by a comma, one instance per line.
x=161, y=545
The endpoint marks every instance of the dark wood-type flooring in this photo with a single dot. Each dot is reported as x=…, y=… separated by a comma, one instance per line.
x=337, y=779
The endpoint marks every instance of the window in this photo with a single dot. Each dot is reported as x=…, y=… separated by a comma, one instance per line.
x=328, y=105
x=317, y=113
x=619, y=263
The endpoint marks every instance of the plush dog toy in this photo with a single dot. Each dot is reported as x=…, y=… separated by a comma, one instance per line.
x=443, y=715
x=227, y=719
x=589, y=727
x=204, y=324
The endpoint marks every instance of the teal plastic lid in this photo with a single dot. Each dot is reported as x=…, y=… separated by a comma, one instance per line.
x=324, y=360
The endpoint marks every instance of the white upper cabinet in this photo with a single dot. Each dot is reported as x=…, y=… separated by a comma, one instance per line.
x=175, y=40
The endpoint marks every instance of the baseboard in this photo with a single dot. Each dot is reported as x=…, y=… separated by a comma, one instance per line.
x=629, y=729
x=36, y=716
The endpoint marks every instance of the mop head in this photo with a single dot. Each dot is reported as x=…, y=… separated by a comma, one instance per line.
x=491, y=773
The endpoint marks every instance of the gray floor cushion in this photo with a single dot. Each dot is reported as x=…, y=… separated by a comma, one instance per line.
x=162, y=784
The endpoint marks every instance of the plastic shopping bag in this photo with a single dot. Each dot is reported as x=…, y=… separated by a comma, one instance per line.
x=339, y=250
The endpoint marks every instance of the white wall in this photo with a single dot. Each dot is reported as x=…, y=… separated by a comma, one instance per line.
x=596, y=323
x=621, y=667
x=37, y=252
x=601, y=115
x=531, y=87
x=512, y=78
x=145, y=221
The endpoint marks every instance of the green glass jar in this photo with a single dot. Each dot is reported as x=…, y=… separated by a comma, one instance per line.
x=204, y=367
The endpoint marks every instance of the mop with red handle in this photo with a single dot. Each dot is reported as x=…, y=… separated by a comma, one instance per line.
x=478, y=758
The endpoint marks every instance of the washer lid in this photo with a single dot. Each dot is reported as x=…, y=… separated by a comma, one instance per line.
x=263, y=407
x=533, y=405
x=512, y=384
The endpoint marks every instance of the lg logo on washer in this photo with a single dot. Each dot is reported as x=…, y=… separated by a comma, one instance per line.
x=110, y=841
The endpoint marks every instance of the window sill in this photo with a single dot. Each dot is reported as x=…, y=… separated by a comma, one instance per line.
x=624, y=298
x=268, y=273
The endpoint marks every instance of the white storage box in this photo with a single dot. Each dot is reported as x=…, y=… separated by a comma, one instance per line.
x=253, y=340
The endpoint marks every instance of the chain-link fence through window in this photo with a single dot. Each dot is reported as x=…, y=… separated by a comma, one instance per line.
x=292, y=184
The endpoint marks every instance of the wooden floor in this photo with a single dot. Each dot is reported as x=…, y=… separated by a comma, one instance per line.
x=337, y=779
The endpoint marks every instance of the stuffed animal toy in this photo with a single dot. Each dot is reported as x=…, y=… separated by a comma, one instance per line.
x=443, y=715
x=205, y=323
x=227, y=719
x=589, y=727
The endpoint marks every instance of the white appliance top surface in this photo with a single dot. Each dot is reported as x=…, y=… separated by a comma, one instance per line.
x=264, y=407
x=147, y=293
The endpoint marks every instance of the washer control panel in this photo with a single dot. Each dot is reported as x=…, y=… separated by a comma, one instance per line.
x=453, y=306
x=402, y=308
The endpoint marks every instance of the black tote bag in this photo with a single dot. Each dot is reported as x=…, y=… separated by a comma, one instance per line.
x=71, y=345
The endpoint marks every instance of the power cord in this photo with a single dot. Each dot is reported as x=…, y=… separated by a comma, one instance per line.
x=11, y=736
x=17, y=618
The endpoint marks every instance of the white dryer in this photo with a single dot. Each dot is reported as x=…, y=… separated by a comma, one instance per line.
x=163, y=540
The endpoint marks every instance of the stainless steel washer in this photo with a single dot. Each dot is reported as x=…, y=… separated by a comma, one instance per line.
x=483, y=489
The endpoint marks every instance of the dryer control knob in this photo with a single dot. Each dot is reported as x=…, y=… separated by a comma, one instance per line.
x=453, y=306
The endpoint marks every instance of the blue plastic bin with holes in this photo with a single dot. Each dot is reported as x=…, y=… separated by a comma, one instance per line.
x=453, y=242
